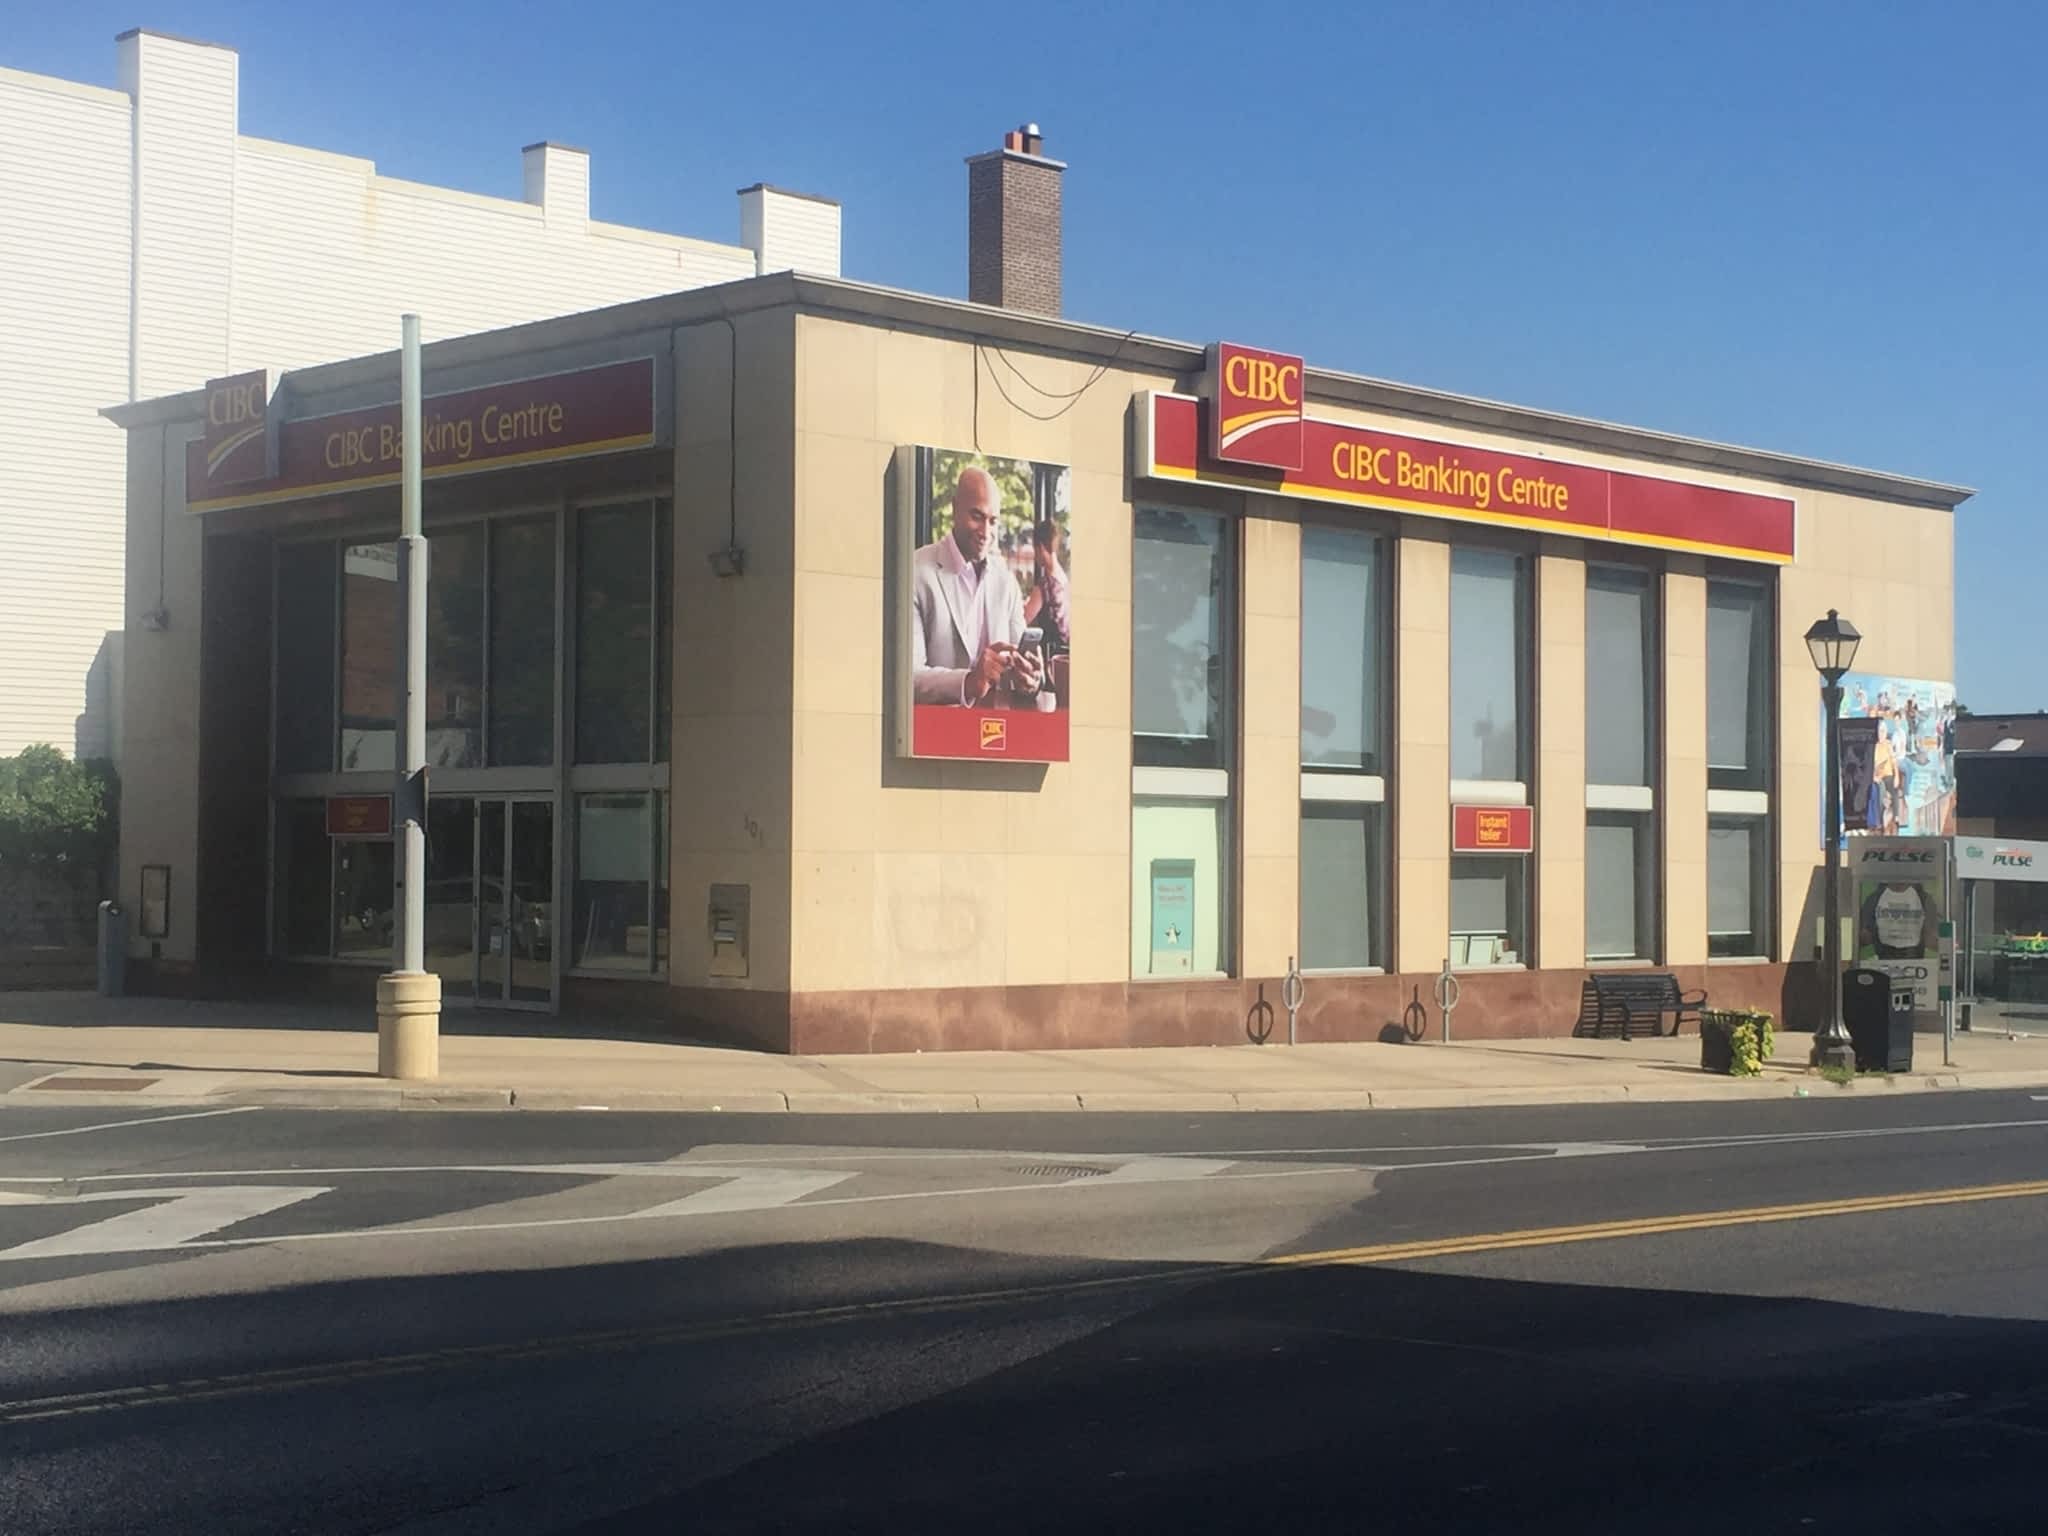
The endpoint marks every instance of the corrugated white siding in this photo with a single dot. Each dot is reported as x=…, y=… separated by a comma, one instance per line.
x=328, y=255
x=63, y=354
x=795, y=234
x=227, y=253
x=185, y=179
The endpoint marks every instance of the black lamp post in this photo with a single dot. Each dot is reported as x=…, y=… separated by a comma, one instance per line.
x=1832, y=643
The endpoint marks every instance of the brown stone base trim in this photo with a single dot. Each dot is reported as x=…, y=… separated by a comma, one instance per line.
x=1496, y=1005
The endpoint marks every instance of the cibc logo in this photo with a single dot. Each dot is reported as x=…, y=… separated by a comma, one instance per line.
x=1255, y=406
x=238, y=429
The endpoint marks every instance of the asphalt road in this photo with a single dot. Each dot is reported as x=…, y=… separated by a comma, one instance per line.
x=1805, y=1316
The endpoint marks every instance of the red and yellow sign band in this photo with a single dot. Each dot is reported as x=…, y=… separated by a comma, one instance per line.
x=1492, y=829
x=1366, y=467
x=606, y=409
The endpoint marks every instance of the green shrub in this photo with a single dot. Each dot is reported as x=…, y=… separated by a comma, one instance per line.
x=56, y=811
x=1752, y=1036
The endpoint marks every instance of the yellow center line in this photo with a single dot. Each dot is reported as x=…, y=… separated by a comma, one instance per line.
x=1651, y=1226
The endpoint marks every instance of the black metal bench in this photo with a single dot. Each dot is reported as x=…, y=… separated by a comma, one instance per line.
x=1628, y=1003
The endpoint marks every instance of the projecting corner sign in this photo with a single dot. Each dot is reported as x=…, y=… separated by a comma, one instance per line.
x=1249, y=430
x=249, y=456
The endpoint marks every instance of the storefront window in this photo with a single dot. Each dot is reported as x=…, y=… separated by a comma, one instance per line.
x=1341, y=881
x=1737, y=887
x=1179, y=600
x=1343, y=656
x=521, y=726
x=304, y=880
x=1488, y=899
x=369, y=657
x=1621, y=900
x=1181, y=670
x=1621, y=793
x=1738, y=693
x=621, y=906
x=1620, y=676
x=305, y=658
x=615, y=634
x=364, y=898
x=1489, y=665
x=1178, y=848
x=455, y=649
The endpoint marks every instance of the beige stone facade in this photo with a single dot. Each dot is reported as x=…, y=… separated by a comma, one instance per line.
x=899, y=903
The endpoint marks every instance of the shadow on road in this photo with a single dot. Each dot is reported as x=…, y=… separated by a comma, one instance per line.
x=876, y=1385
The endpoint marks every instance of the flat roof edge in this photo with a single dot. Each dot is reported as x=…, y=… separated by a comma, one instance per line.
x=873, y=302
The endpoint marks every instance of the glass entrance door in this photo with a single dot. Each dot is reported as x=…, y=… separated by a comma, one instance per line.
x=490, y=900
x=515, y=902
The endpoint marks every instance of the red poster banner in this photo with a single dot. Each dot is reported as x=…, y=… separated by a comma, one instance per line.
x=1367, y=467
x=1492, y=829
x=1018, y=735
x=605, y=409
x=359, y=816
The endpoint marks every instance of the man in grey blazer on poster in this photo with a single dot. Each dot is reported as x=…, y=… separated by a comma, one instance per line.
x=967, y=615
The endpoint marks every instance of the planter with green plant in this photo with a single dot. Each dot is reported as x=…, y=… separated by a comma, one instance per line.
x=1736, y=1041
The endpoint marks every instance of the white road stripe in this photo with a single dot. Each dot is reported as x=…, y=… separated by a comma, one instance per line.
x=115, y=1125
x=175, y=1217
x=746, y=1189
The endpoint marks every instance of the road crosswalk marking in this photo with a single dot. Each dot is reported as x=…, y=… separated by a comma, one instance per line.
x=173, y=1217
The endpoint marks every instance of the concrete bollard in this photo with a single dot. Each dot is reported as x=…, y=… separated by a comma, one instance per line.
x=409, y=1025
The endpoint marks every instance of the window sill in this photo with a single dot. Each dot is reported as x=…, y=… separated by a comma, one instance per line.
x=1739, y=960
x=1481, y=970
x=1153, y=981
x=1610, y=963
x=1335, y=971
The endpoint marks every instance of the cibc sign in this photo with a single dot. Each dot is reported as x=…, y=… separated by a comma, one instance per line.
x=238, y=444
x=1255, y=406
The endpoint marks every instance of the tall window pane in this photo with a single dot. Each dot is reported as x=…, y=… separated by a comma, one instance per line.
x=615, y=634
x=305, y=658
x=1340, y=650
x=664, y=629
x=369, y=657
x=1177, y=905
x=1620, y=662
x=614, y=863
x=1620, y=899
x=1178, y=674
x=455, y=649
x=1489, y=659
x=1340, y=864
x=1488, y=899
x=521, y=725
x=1738, y=662
x=304, y=879
x=1737, y=890
x=364, y=892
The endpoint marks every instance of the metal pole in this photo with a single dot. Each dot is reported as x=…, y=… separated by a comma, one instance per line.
x=1831, y=1046
x=412, y=714
x=409, y=999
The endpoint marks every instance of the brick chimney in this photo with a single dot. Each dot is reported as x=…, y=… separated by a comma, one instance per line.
x=1013, y=225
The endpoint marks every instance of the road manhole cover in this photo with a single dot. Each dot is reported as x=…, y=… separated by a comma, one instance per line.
x=95, y=1084
x=1056, y=1171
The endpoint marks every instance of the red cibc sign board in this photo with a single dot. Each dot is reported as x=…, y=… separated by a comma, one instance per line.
x=1492, y=829
x=359, y=816
x=1024, y=735
x=1255, y=410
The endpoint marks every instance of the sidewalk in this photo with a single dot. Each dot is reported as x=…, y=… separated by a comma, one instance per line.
x=76, y=1047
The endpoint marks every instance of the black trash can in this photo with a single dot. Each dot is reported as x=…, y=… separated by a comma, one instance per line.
x=1879, y=1020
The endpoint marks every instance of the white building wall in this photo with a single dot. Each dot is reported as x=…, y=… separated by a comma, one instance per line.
x=64, y=226
x=146, y=246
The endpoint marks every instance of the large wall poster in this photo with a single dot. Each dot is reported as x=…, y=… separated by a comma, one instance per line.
x=1911, y=778
x=986, y=608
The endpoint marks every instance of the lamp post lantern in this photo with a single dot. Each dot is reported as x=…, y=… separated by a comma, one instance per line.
x=1832, y=643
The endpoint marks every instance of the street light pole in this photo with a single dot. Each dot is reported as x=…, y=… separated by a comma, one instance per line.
x=1832, y=643
x=409, y=998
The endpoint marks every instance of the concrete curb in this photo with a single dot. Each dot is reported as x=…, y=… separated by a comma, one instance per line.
x=1677, y=1089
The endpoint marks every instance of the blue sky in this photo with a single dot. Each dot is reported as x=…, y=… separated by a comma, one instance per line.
x=1820, y=228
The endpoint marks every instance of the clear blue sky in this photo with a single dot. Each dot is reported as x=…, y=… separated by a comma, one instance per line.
x=1820, y=228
